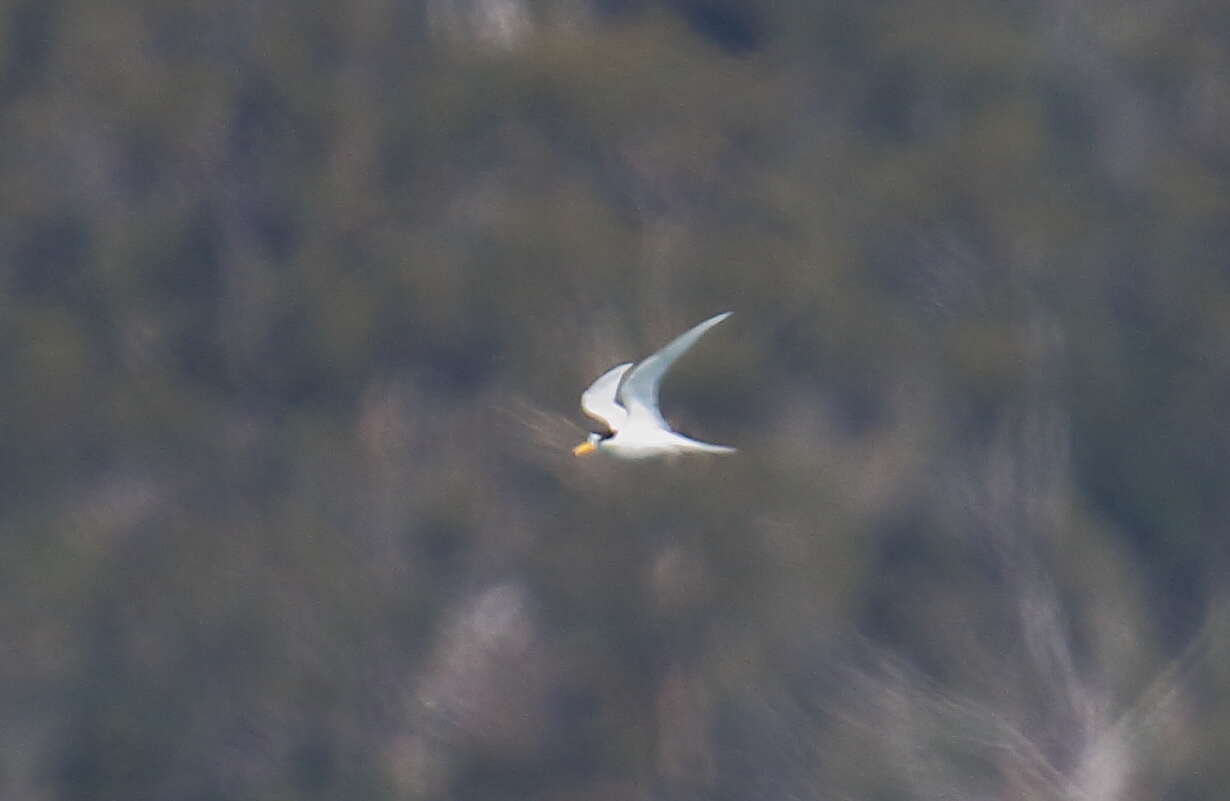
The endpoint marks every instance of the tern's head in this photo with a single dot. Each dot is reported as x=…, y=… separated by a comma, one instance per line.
x=591, y=444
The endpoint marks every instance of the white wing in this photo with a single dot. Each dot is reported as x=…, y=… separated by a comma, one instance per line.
x=599, y=400
x=638, y=392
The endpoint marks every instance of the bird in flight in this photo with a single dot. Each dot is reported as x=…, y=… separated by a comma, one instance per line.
x=625, y=398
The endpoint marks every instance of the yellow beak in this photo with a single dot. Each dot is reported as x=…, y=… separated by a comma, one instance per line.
x=584, y=448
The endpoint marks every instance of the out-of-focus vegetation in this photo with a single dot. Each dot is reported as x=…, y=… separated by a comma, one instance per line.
x=297, y=299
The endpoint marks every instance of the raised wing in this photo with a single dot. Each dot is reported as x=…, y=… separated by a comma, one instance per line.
x=638, y=392
x=599, y=400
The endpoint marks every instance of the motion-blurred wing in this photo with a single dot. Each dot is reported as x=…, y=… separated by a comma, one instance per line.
x=599, y=400
x=638, y=392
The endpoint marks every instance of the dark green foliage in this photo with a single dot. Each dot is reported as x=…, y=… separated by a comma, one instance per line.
x=297, y=300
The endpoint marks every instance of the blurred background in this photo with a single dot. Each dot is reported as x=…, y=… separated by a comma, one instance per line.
x=297, y=300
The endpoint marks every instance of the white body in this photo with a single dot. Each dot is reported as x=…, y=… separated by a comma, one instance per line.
x=626, y=399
